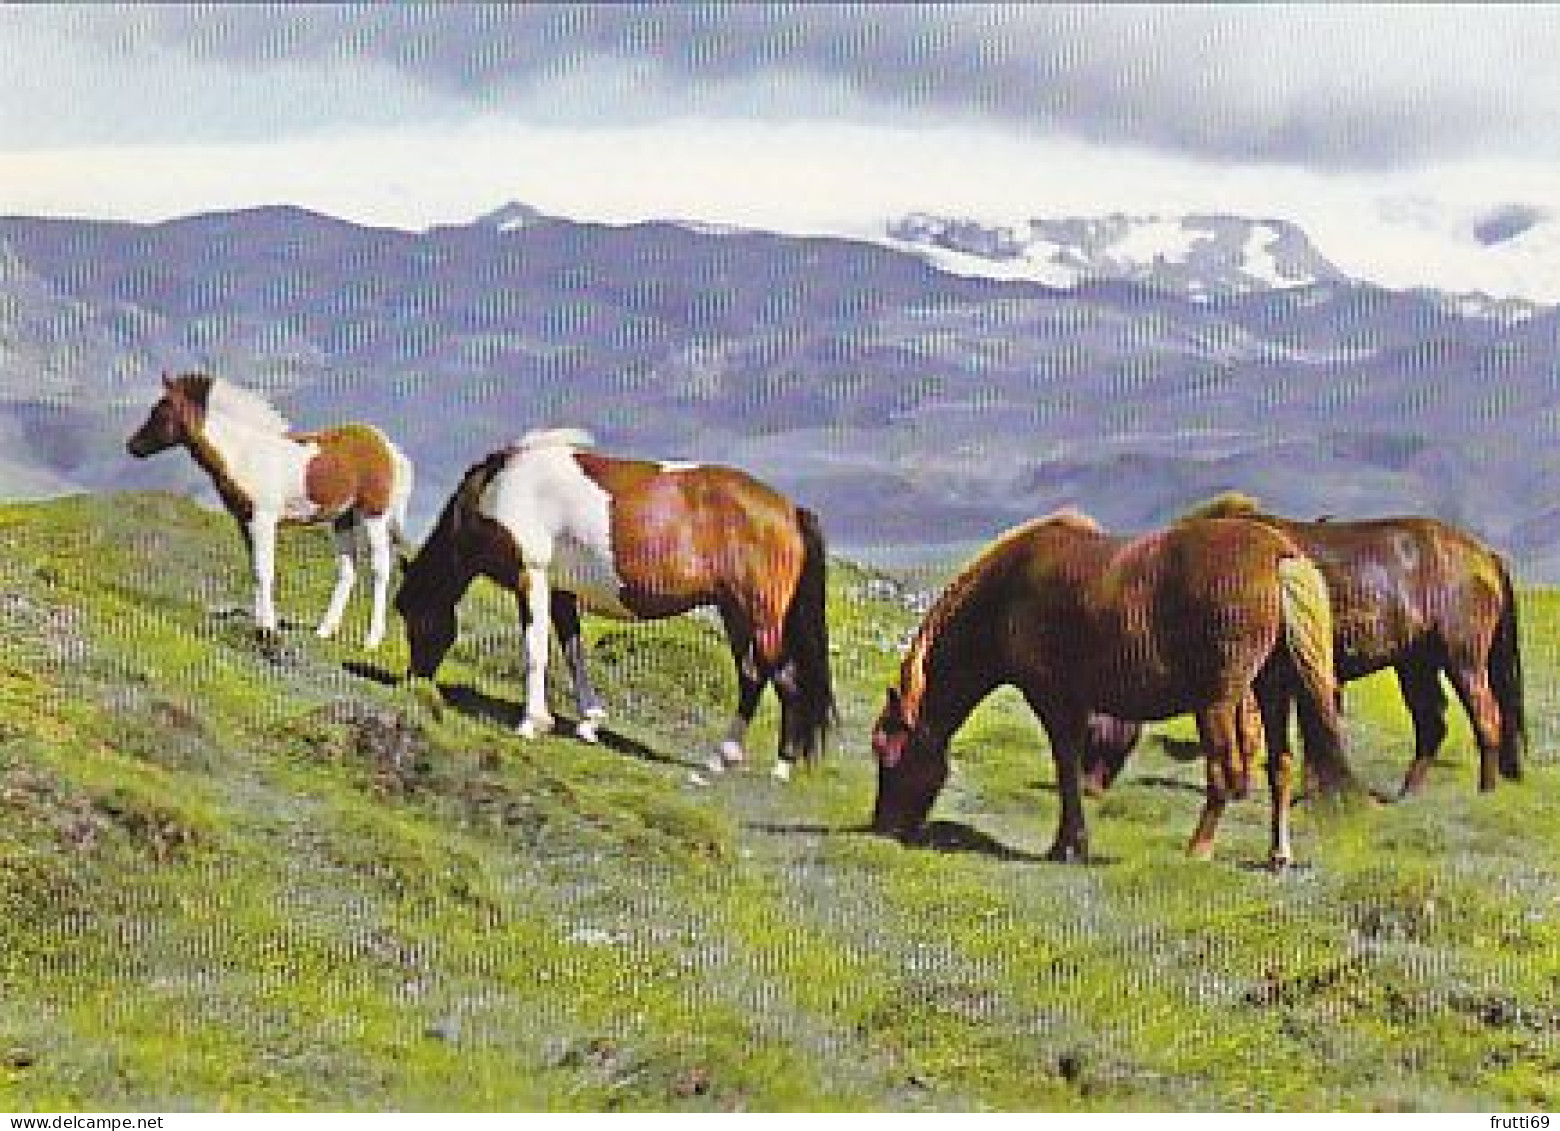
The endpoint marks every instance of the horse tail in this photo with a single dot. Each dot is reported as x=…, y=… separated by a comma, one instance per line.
x=1308, y=640
x=402, y=478
x=1505, y=672
x=807, y=644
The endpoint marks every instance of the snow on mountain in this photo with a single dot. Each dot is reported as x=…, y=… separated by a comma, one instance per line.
x=1502, y=264
x=1198, y=256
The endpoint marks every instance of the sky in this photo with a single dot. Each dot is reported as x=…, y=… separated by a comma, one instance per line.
x=1415, y=144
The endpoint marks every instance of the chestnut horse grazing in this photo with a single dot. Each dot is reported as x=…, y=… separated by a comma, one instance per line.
x=1422, y=598
x=266, y=474
x=1185, y=620
x=633, y=540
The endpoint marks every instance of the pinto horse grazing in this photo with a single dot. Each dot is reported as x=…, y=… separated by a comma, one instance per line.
x=266, y=474
x=1422, y=598
x=1186, y=620
x=633, y=540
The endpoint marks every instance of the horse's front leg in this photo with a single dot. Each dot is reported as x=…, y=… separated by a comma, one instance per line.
x=1068, y=734
x=1219, y=729
x=566, y=616
x=343, y=534
x=262, y=560
x=538, y=720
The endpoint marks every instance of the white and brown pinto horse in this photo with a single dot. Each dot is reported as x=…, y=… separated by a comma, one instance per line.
x=564, y=527
x=349, y=475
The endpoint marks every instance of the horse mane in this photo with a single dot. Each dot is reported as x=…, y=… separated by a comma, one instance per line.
x=1229, y=504
x=1071, y=518
x=245, y=406
x=539, y=438
x=957, y=594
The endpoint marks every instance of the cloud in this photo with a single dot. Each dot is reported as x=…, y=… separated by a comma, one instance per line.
x=1341, y=86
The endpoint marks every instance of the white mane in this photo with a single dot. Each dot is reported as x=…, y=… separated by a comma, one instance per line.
x=554, y=438
x=245, y=406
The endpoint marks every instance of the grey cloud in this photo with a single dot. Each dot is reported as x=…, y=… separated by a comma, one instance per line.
x=1315, y=84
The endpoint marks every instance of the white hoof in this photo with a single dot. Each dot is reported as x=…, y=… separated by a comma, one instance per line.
x=326, y=631
x=585, y=731
x=731, y=753
x=534, y=728
x=715, y=764
x=781, y=772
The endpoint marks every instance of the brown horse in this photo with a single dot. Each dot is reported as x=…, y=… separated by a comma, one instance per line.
x=266, y=474
x=1185, y=620
x=1419, y=597
x=634, y=540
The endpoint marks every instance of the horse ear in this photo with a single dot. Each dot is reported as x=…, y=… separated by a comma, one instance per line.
x=167, y=380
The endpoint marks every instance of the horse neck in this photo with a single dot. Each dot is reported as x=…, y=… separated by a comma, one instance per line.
x=248, y=464
x=962, y=665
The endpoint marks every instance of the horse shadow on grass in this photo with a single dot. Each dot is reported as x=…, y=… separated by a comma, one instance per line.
x=952, y=837
x=480, y=706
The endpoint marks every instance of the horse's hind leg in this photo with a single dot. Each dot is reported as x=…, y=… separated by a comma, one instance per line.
x=1280, y=773
x=1473, y=688
x=566, y=618
x=377, y=527
x=1219, y=729
x=343, y=534
x=1420, y=681
x=751, y=678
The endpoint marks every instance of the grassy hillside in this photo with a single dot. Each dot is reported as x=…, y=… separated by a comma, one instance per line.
x=233, y=877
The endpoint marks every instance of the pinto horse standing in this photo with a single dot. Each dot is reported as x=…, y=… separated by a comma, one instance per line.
x=563, y=526
x=1186, y=620
x=266, y=474
x=1419, y=597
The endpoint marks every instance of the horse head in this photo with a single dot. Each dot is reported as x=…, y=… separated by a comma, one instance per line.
x=175, y=418
x=912, y=767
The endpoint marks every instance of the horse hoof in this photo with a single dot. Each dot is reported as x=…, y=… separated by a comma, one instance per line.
x=533, y=728
x=1200, y=850
x=1068, y=853
x=586, y=731
x=781, y=772
x=1279, y=864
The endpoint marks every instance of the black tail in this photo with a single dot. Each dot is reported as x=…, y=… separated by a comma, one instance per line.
x=812, y=710
x=1505, y=671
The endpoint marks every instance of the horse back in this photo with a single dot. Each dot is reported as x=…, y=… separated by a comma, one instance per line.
x=352, y=468
x=685, y=534
x=1398, y=583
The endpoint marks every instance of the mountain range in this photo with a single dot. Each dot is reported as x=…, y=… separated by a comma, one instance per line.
x=920, y=390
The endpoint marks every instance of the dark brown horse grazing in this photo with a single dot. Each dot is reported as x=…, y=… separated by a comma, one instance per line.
x=1422, y=598
x=1185, y=620
x=634, y=540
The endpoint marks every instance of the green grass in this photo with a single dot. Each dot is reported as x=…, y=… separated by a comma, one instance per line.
x=240, y=878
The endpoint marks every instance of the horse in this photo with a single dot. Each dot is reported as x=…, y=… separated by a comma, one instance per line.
x=1184, y=620
x=1422, y=598
x=266, y=474
x=634, y=540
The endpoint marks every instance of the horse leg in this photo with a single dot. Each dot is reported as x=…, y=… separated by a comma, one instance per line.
x=1419, y=680
x=1472, y=684
x=1249, y=738
x=377, y=528
x=566, y=616
x=751, y=679
x=538, y=720
x=342, y=533
x=1274, y=712
x=262, y=556
x=1068, y=734
x=1219, y=730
